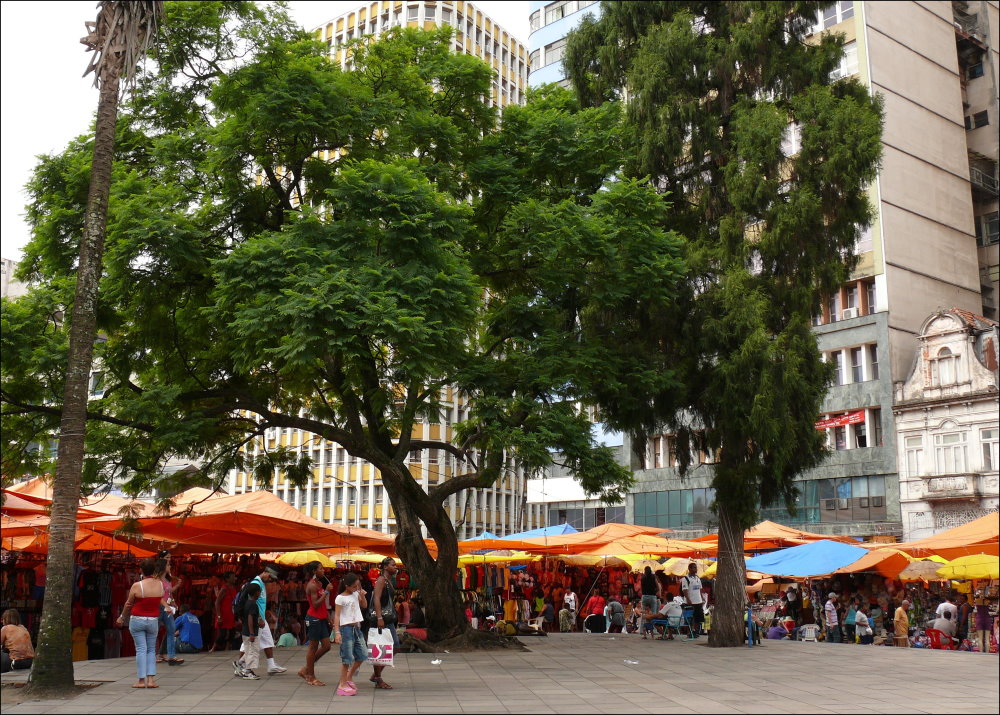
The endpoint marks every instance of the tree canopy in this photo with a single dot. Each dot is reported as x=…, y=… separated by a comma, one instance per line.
x=294, y=245
x=712, y=92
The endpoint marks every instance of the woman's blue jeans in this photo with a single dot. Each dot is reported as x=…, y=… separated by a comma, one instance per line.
x=169, y=645
x=144, y=632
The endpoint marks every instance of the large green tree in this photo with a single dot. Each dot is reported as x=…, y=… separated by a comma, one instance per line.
x=291, y=245
x=710, y=90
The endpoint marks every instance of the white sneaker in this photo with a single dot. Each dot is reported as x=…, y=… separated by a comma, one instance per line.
x=250, y=675
x=238, y=669
x=276, y=669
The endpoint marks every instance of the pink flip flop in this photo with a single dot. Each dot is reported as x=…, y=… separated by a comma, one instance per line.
x=346, y=691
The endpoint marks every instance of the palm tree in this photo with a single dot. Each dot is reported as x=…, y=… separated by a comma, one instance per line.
x=122, y=34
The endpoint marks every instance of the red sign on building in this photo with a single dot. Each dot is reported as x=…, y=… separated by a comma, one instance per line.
x=851, y=418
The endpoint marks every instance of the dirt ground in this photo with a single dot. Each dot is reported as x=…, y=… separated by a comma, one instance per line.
x=13, y=693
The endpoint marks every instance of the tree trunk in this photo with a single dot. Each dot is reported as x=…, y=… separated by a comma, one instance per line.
x=436, y=578
x=729, y=614
x=52, y=669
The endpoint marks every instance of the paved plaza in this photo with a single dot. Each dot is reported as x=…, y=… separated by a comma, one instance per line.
x=569, y=673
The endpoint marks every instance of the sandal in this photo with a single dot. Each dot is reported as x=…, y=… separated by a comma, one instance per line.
x=139, y=685
x=174, y=661
x=317, y=683
x=382, y=685
x=154, y=685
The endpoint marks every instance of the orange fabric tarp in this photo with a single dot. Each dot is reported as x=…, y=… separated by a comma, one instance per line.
x=887, y=562
x=564, y=543
x=84, y=541
x=651, y=545
x=252, y=522
x=976, y=537
x=242, y=523
x=771, y=535
x=39, y=492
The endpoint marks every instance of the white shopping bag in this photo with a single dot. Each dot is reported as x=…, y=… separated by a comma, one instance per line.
x=380, y=646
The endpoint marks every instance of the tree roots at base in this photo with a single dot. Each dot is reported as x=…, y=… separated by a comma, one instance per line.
x=468, y=641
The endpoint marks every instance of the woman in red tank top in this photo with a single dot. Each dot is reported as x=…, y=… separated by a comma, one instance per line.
x=143, y=605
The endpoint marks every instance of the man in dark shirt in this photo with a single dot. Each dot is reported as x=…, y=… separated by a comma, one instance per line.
x=251, y=614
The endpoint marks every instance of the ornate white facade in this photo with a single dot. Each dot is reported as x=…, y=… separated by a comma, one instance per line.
x=946, y=415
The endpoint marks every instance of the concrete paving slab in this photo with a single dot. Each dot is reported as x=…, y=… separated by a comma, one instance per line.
x=564, y=673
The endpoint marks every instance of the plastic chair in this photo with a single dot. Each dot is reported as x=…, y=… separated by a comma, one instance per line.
x=536, y=623
x=808, y=633
x=939, y=640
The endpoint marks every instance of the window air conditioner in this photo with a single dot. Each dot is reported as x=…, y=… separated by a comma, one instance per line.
x=876, y=501
x=863, y=502
x=829, y=504
x=850, y=313
x=842, y=503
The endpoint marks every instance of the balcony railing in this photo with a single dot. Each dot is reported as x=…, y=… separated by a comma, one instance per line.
x=984, y=180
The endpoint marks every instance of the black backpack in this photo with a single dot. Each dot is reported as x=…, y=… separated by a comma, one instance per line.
x=240, y=600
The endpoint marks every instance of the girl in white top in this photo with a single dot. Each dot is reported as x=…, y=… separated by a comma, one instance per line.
x=347, y=632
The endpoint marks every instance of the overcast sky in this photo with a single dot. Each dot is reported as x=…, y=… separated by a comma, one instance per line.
x=47, y=102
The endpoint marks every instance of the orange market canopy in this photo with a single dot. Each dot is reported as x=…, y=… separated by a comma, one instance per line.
x=888, y=562
x=648, y=545
x=565, y=543
x=244, y=523
x=771, y=535
x=976, y=537
x=252, y=522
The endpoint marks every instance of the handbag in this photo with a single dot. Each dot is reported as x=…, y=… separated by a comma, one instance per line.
x=388, y=614
x=380, y=647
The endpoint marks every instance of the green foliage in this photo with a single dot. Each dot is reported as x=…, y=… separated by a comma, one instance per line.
x=250, y=284
x=711, y=89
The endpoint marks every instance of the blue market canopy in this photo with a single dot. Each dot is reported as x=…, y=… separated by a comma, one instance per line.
x=553, y=530
x=816, y=559
x=484, y=535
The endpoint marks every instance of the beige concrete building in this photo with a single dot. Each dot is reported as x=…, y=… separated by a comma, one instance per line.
x=933, y=245
x=347, y=490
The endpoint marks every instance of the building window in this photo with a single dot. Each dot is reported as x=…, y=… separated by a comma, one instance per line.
x=791, y=142
x=988, y=229
x=446, y=15
x=870, y=288
x=914, y=447
x=975, y=71
x=840, y=437
x=834, y=14
x=875, y=420
x=97, y=385
x=430, y=13
x=848, y=62
x=989, y=439
x=860, y=436
x=943, y=368
x=979, y=119
x=873, y=360
x=412, y=13
x=533, y=58
x=838, y=367
x=857, y=366
x=554, y=52
x=834, y=306
x=534, y=21
x=950, y=453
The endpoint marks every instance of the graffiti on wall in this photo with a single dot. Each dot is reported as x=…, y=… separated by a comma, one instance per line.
x=950, y=518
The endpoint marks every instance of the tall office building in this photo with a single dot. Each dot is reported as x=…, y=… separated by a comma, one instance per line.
x=549, y=24
x=346, y=490
x=933, y=245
